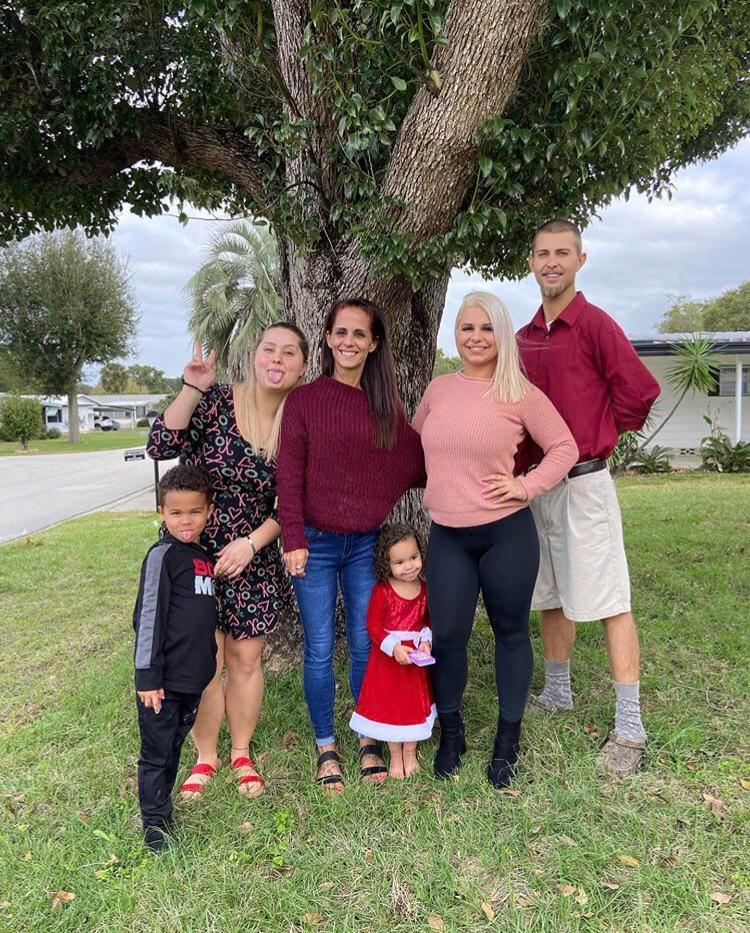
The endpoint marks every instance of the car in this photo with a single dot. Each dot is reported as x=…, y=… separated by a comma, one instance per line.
x=109, y=424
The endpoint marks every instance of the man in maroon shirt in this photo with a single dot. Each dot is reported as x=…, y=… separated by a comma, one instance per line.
x=582, y=360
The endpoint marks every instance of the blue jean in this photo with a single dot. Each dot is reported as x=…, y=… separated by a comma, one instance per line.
x=334, y=558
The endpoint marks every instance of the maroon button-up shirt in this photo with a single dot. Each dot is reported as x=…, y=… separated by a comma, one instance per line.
x=589, y=370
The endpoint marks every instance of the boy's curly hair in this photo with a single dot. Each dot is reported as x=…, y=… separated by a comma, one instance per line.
x=186, y=478
x=390, y=535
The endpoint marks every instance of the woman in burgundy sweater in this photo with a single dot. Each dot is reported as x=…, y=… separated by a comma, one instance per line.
x=347, y=455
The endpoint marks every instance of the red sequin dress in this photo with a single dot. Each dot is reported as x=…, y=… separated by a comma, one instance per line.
x=395, y=703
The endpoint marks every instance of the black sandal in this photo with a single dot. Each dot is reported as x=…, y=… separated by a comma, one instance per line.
x=328, y=778
x=373, y=749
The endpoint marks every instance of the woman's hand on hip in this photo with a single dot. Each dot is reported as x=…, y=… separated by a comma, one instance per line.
x=296, y=561
x=234, y=558
x=501, y=487
x=199, y=372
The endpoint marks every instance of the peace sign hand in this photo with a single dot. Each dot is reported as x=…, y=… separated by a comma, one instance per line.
x=199, y=372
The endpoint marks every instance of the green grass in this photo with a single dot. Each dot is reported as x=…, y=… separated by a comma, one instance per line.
x=90, y=441
x=389, y=859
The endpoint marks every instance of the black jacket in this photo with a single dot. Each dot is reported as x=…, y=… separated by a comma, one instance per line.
x=175, y=619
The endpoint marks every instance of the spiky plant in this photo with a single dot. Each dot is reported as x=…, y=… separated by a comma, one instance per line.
x=235, y=293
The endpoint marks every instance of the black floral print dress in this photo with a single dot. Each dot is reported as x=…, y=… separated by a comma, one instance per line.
x=244, y=497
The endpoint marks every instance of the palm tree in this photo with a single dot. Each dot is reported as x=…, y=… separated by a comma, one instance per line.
x=693, y=371
x=235, y=293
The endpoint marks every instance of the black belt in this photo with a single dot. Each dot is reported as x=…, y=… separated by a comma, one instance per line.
x=588, y=466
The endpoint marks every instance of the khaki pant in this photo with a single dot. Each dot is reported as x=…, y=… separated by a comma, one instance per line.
x=582, y=568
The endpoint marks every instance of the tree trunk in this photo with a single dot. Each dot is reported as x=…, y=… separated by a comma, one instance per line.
x=74, y=428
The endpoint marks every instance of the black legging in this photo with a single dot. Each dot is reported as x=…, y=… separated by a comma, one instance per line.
x=501, y=559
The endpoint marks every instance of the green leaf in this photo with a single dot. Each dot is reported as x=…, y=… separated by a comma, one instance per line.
x=485, y=165
x=398, y=83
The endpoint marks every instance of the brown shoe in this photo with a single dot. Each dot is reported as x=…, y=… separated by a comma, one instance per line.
x=620, y=756
x=535, y=706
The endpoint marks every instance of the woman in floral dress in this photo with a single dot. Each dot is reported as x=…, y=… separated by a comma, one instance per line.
x=232, y=432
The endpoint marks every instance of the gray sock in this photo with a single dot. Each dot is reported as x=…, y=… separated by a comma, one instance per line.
x=628, y=712
x=557, y=684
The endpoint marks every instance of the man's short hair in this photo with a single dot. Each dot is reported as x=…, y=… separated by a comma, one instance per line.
x=559, y=225
x=185, y=478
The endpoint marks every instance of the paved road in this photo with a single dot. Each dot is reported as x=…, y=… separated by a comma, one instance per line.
x=40, y=491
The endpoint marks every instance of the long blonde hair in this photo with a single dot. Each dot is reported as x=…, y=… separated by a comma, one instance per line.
x=245, y=407
x=508, y=381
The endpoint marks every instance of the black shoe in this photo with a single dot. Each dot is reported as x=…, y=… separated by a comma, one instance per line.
x=502, y=769
x=156, y=838
x=452, y=745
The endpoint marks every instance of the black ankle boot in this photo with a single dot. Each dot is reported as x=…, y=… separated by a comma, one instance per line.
x=452, y=745
x=502, y=769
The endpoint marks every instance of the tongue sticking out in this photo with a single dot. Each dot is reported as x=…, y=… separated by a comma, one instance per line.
x=186, y=535
x=275, y=376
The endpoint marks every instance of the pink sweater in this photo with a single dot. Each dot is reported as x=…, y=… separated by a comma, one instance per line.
x=468, y=435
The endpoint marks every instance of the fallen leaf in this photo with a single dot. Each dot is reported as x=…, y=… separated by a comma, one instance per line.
x=591, y=731
x=611, y=885
x=312, y=919
x=435, y=922
x=61, y=897
x=692, y=766
x=587, y=916
x=290, y=738
x=522, y=901
x=628, y=860
x=326, y=885
x=83, y=816
x=488, y=911
x=368, y=855
x=744, y=784
x=113, y=858
x=509, y=792
x=535, y=829
x=246, y=827
x=567, y=889
x=714, y=804
x=582, y=897
x=566, y=840
x=669, y=861
x=720, y=898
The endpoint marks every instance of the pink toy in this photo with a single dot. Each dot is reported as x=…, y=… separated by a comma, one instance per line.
x=421, y=660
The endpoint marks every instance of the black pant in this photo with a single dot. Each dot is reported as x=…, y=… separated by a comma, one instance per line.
x=162, y=737
x=501, y=559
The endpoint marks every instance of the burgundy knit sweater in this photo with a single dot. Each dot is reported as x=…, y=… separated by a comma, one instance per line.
x=330, y=474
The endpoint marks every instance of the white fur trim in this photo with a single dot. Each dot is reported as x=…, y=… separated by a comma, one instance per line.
x=388, y=644
x=424, y=635
x=388, y=732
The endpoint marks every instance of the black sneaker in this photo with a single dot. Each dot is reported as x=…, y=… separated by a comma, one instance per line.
x=155, y=838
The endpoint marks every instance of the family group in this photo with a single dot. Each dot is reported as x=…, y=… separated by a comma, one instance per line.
x=512, y=454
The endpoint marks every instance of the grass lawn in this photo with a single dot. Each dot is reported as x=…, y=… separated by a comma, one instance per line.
x=664, y=850
x=90, y=441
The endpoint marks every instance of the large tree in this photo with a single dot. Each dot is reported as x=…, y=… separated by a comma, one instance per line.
x=65, y=302
x=384, y=140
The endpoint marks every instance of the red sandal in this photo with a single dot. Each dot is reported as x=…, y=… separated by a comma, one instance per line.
x=197, y=787
x=249, y=785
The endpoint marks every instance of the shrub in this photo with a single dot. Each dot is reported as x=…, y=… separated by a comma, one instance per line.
x=720, y=455
x=652, y=460
x=54, y=433
x=21, y=419
x=142, y=423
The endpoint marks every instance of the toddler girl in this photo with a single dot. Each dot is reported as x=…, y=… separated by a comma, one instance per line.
x=395, y=704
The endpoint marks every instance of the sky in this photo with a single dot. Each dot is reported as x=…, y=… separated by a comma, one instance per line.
x=639, y=255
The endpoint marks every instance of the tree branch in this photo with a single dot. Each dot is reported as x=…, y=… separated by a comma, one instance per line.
x=435, y=157
x=174, y=142
x=291, y=17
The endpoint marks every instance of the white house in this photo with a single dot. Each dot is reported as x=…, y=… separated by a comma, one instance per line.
x=728, y=403
x=126, y=409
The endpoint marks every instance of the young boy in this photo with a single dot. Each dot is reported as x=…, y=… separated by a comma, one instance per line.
x=175, y=622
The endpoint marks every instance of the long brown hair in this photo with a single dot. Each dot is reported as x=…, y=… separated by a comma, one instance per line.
x=379, y=375
x=245, y=410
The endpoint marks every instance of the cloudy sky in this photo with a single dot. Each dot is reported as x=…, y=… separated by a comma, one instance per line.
x=639, y=255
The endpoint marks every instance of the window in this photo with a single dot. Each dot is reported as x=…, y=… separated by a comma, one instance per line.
x=54, y=416
x=728, y=381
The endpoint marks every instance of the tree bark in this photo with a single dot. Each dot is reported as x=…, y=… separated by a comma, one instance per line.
x=74, y=427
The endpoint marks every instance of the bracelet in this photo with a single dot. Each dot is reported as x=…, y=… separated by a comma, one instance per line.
x=191, y=386
x=252, y=545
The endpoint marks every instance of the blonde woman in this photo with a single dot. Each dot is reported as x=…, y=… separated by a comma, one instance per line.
x=483, y=537
x=232, y=432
